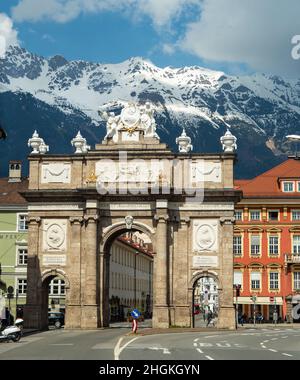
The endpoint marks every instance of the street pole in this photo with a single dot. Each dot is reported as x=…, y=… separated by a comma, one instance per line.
x=254, y=308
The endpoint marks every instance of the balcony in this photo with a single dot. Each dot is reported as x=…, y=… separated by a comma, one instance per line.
x=291, y=259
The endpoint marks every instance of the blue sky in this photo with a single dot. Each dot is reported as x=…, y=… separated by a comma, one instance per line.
x=235, y=36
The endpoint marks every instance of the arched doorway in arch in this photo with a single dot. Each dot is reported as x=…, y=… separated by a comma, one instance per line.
x=127, y=275
x=54, y=286
x=206, y=300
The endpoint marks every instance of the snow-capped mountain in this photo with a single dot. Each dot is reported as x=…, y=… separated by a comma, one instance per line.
x=58, y=97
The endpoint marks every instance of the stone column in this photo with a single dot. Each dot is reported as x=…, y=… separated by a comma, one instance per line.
x=227, y=312
x=32, y=310
x=182, y=307
x=90, y=307
x=160, y=275
x=73, y=294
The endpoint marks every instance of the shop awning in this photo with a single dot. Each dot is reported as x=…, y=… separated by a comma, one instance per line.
x=259, y=301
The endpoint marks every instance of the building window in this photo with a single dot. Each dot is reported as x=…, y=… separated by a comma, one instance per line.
x=255, y=280
x=238, y=278
x=22, y=286
x=296, y=244
x=57, y=287
x=274, y=280
x=274, y=245
x=22, y=256
x=288, y=187
x=296, y=280
x=22, y=223
x=255, y=215
x=237, y=245
x=239, y=215
x=255, y=245
x=296, y=215
x=273, y=215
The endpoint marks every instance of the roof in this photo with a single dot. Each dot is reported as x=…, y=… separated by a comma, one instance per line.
x=9, y=192
x=268, y=184
x=123, y=239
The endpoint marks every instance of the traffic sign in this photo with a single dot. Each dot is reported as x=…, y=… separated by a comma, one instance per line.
x=10, y=290
x=135, y=313
x=271, y=299
x=253, y=298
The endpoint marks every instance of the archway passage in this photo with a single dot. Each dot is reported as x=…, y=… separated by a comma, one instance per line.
x=205, y=301
x=53, y=293
x=129, y=265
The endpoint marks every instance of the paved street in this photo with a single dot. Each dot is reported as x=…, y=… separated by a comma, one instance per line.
x=116, y=344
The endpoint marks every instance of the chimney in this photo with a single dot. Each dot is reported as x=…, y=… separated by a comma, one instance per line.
x=15, y=171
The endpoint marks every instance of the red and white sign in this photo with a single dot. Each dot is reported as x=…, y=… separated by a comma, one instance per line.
x=271, y=299
x=134, y=326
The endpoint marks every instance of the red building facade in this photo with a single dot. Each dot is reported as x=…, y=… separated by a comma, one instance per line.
x=267, y=244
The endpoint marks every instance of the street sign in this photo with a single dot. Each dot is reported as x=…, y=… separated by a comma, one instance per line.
x=10, y=290
x=135, y=313
x=271, y=299
x=253, y=298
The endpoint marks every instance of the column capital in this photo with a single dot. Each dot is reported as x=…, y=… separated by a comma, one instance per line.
x=227, y=220
x=91, y=218
x=35, y=220
x=161, y=218
x=76, y=220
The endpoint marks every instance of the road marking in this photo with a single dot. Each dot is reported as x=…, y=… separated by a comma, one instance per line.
x=118, y=349
x=263, y=347
x=165, y=350
x=196, y=340
x=198, y=349
x=209, y=358
x=61, y=344
x=271, y=349
x=195, y=344
x=287, y=355
x=274, y=338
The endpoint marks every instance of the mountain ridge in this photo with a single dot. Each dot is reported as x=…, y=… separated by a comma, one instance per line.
x=259, y=109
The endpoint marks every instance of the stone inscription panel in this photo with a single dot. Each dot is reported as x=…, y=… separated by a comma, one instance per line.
x=205, y=261
x=50, y=260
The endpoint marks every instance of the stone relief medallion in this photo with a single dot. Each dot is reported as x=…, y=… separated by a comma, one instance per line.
x=56, y=172
x=205, y=235
x=54, y=235
x=130, y=116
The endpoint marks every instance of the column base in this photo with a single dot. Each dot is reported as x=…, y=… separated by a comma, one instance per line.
x=161, y=318
x=226, y=318
x=33, y=317
x=182, y=316
x=73, y=317
x=89, y=316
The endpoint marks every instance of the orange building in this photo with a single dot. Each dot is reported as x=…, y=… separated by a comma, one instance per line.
x=267, y=243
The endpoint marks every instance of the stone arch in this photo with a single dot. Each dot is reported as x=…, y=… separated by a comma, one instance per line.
x=111, y=232
x=54, y=273
x=201, y=274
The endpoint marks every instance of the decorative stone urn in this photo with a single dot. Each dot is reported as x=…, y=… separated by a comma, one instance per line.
x=43, y=148
x=35, y=142
x=228, y=142
x=80, y=144
x=184, y=143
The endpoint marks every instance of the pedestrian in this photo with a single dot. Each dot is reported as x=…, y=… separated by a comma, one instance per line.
x=209, y=317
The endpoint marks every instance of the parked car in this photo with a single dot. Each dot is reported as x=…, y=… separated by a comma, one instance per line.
x=56, y=319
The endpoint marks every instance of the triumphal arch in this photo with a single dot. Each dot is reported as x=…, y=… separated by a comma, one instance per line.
x=79, y=203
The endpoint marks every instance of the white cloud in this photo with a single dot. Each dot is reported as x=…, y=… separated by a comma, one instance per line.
x=8, y=35
x=160, y=11
x=256, y=33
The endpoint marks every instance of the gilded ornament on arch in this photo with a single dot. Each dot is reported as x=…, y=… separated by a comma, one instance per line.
x=92, y=178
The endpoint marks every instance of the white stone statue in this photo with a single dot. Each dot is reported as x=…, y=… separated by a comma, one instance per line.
x=80, y=144
x=184, y=143
x=37, y=144
x=228, y=142
x=133, y=117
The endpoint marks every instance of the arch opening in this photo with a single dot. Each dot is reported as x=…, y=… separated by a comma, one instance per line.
x=205, y=300
x=128, y=277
